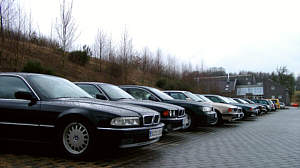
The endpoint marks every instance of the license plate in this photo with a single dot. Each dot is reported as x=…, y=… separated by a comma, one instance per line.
x=155, y=133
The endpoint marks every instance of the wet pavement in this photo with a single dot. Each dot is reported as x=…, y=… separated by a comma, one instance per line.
x=271, y=140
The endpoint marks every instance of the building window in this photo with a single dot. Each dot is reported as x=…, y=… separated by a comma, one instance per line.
x=272, y=87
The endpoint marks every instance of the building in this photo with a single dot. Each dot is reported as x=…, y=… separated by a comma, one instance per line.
x=246, y=86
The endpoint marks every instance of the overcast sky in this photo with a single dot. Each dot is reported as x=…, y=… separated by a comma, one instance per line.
x=254, y=35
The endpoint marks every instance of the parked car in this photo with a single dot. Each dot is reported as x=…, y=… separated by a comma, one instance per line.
x=171, y=115
x=247, y=109
x=48, y=108
x=197, y=113
x=270, y=105
x=264, y=107
x=224, y=111
x=282, y=105
x=261, y=108
x=276, y=102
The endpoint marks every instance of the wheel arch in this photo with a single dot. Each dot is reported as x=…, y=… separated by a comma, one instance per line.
x=75, y=113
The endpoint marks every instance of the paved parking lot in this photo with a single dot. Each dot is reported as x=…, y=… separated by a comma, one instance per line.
x=271, y=140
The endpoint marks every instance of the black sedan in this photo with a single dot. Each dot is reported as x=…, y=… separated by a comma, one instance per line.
x=171, y=115
x=197, y=113
x=39, y=107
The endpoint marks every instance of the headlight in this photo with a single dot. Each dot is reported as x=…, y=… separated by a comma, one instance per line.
x=125, y=121
x=169, y=113
x=206, y=109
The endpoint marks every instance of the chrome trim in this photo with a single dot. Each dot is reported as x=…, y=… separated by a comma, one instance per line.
x=26, y=124
x=147, y=116
x=131, y=129
x=139, y=144
x=47, y=126
x=26, y=83
x=172, y=119
x=19, y=124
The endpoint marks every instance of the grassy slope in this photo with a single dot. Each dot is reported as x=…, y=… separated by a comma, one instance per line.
x=51, y=59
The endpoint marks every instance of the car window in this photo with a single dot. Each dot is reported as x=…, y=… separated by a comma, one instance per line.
x=91, y=89
x=51, y=87
x=180, y=96
x=238, y=100
x=204, y=98
x=9, y=85
x=193, y=97
x=140, y=94
x=114, y=92
x=215, y=99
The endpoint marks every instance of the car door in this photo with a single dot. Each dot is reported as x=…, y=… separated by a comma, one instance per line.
x=17, y=116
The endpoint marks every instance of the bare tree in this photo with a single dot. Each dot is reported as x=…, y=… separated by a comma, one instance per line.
x=100, y=46
x=125, y=52
x=66, y=27
x=158, y=62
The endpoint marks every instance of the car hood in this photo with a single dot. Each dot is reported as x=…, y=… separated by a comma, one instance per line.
x=245, y=105
x=115, y=108
x=186, y=102
x=164, y=106
x=222, y=105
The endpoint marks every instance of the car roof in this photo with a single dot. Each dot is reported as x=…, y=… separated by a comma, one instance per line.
x=180, y=91
x=23, y=74
x=147, y=87
x=91, y=83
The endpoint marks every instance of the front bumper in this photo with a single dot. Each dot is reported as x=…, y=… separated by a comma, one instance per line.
x=173, y=124
x=249, y=113
x=232, y=116
x=209, y=118
x=128, y=137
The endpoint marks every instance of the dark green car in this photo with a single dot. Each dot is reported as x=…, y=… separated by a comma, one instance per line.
x=197, y=113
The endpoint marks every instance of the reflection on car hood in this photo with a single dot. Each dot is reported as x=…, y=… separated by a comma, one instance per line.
x=164, y=106
x=223, y=105
x=245, y=105
x=116, y=108
x=188, y=102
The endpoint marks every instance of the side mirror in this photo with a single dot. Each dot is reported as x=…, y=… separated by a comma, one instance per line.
x=25, y=96
x=100, y=96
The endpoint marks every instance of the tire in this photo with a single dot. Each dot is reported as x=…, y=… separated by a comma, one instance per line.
x=76, y=139
x=191, y=124
x=220, y=119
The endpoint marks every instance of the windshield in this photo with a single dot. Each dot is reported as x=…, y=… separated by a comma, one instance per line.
x=243, y=101
x=249, y=101
x=229, y=100
x=50, y=87
x=114, y=92
x=204, y=98
x=161, y=94
x=192, y=96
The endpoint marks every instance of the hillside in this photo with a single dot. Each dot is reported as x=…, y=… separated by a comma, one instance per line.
x=12, y=60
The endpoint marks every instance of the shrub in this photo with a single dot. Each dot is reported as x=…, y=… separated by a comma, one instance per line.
x=80, y=57
x=161, y=83
x=36, y=67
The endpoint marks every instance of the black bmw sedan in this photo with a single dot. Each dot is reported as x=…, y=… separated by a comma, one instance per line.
x=40, y=107
x=197, y=113
x=171, y=115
